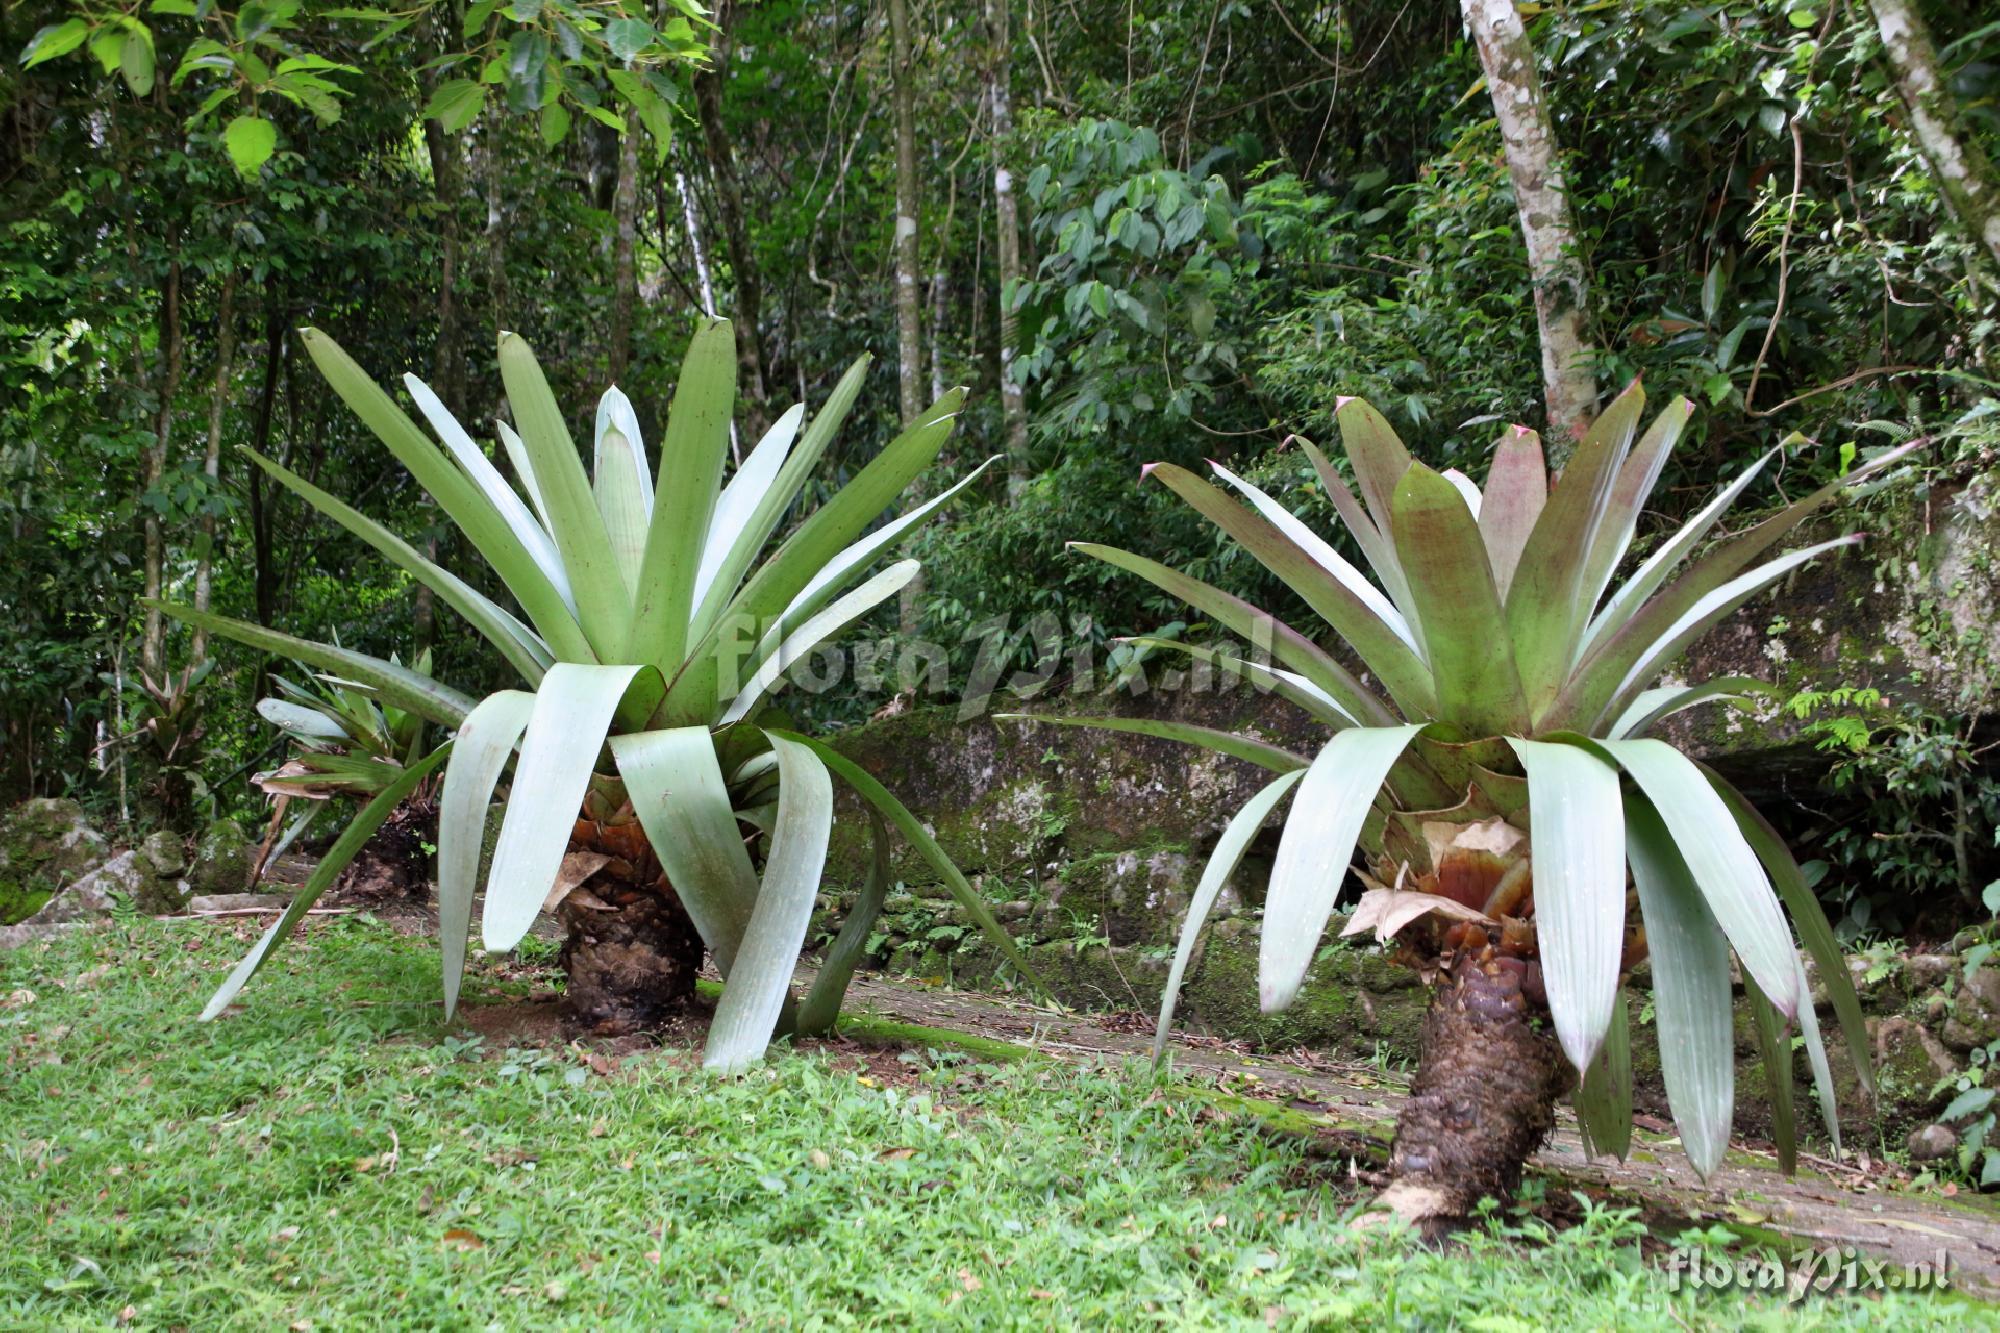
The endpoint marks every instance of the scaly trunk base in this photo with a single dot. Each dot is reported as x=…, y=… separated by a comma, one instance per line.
x=631, y=955
x=1484, y=1099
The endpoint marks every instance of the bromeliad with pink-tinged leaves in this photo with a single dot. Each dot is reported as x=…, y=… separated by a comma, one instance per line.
x=1524, y=842
x=650, y=774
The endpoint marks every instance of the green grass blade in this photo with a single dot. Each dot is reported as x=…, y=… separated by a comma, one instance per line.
x=821, y=1007
x=1236, y=838
x=769, y=674
x=1577, y=828
x=760, y=982
x=1264, y=632
x=1327, y=814
x=1392, y=660
x=1691, y=995
x=1260, y=753
x=572, y=714
x=683, y=804
x=456, y=494
x=397, y=685
x=344, y=848
x=692, y=451
x=1439, y=545
x=1722, y=863
x=524, y=651
x=602, y=604
x=485, y=742
x=868, y=789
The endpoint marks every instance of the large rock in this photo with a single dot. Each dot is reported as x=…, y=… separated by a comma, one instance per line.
x=124, y=876
x=45, y=844
x=222, y=859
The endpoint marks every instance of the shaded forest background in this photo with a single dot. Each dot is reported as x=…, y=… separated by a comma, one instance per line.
x=1140, y=233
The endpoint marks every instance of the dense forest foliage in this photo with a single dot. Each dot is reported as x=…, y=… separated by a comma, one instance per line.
x=1137, y=234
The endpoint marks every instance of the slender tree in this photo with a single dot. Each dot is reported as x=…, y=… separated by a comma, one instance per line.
x=1964, y=173
x=909, y=311
x=624, y=246
x=1013, y=404
x=211, y=458
x=153, y=467
x=1541, y=196
x=748, y=315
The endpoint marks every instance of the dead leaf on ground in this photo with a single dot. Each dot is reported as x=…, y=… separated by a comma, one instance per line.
x=458, y=1238
x=897, y=1154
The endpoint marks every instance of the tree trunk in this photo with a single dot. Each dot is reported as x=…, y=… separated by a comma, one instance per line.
x=909, y=311
x=1013, y=404
x=447, y=361
x=630, y=951
x=704, y=279
x=211, y=458
x=624, y=247
x=152, y=648
x=492, y=130
x=735, y=237
x=263, y=502
x=1964, y=173
x=1483, y=1100
x=1569, y=383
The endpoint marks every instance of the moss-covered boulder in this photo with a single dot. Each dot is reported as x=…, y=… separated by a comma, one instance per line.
x=222, y=859
x=45, y=844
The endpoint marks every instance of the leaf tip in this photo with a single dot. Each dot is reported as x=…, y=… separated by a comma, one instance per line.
x=1145, y=471
x=1341, y=400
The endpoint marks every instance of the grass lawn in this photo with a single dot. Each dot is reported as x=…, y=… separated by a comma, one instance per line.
x=330, y=1155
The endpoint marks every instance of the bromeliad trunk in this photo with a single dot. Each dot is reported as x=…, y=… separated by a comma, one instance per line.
x=630, y=951
x=1484, y=1098
x=1491, y=1070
